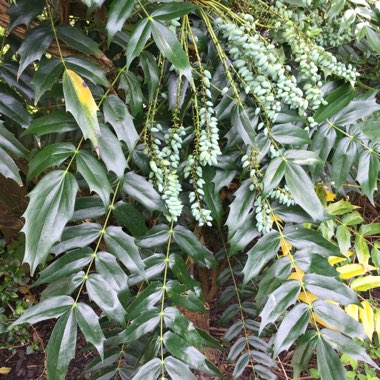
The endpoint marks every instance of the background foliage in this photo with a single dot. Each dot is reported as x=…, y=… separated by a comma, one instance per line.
x=178, y=152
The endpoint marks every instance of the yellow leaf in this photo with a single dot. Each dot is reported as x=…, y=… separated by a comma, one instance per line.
x=275, y=218
x=351, y=270
x=307, y=298
x=377, y=322
x=285, y=247
x=5, y=370
x=336, y=259
x=365, y=283
x=352, y=311
x=366, y=316
x=296, y=276
x=83, y=92
x=330, y=196
x=80, y=102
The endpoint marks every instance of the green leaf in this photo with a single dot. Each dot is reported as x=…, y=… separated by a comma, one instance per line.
x=149, y=371
x=336, y=318
x=88, y=70
x=172, y=10
x=343, y=237
x=309, y=262
x=125, y=249
x=371, y=128
x=302, y=157
x=178, y=324
x=111, y=152
x=88, y=321
x=105, y=297
x=359, y=108
x=74, y=38
x=309, y=240
x=273, y=277
x=373, y=39
x=81, y=104
x=35, y=44
x=51, y=155
x=8, y=167
x=182, y=351
x=329, y=365
x=139, y=37
x=134, y=96
x=260, y=255
x=347, y=346
x=156, y=237
x=144, y=324
x=278, y=301
x=48, y=309
x=190, y=244
x=77, y=236
x=151, y=72
x=116, y=113
x=290, y=134
x=12, y=108
x=362, y=250
x=329, y=289
x=293, y=325
x=108, y=267
x=369, y=229
x=336, y=7
x=24, y=12
x=63, y=286
x=240, y=366
x=240, y=208
x=119, y=11
x=139, y=189
x=170, y=48
x=240, y=121
x=352, y=219
x=345, y=155
x=177, y=370
x=273, y=174
x=337, y=100
x=145, y=300
x=51, y=206
x=341, y=207
x=56, y=122
x=182, y=297
x=10, y=143
x=70, y=262
x=179, y=268
x=154, y=266
x=8, y=72
x=368, y=170
x=303, y=352
x=94, y=174
x=302, y=190
x=61, y=347
x=46, y=76
x=88, y=208
x=130, y=217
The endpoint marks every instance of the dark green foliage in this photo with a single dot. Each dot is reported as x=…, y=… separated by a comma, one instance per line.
x=196, y=140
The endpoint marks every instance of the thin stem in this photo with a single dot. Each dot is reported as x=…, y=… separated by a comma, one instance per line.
x=55, y=33
x=102, y=232
x=242, y=317
x=353, y=138
x=222, y=55
x=294, y=265
x=162, y=309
